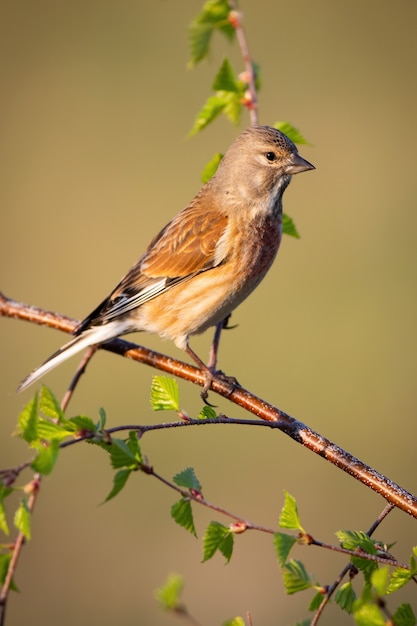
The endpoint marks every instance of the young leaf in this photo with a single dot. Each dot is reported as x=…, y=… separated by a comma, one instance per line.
x=366, y=566
x=288, y=227
x=211, y=167
x=283, y=544
x=49, y=405
x=4, y=567
x=225, y=79
x=368, y=615
x=236, y=621
x=134, y=447
x=4, y=492
x=83, y=423
x=170, y=594
x=188, y=479
x=379, y=579
x=207, y=413
x=121, y=455
x=291, y=132
x=399, y=578
x=233, y=107
x=164, y=394
x=27, y=421
x=217, y=537
x=356, y=539
x=22, y=519
x=295, y=577
x=102, y=419
x=199, y=38
x=404, y=616
x=315, y=602
x=289, y=515
x=214, y=15
x=345, y=597
x=211, y=109
x=3, y=520
x=47, y=430
x=119, y=481
x=46, y=457
x=182, y=513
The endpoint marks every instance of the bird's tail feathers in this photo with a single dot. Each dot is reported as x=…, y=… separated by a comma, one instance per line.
x=90, y=337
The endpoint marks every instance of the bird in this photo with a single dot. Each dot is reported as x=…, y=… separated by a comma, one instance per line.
x=206, y=260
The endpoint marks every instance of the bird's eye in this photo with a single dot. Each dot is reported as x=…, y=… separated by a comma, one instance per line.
x=271, y=156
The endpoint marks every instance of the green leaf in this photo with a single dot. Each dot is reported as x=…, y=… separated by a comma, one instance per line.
x=199, y=38
x=295, y=577
x=217, y=537
x=28, y=420
x=102, y=419
x=399, y=578
x=235, y=621
x=164, y=394
x=211, y=168
x=288, y=227
x=315, y=602
x=49, y=405
x=289, y=515
x=182, y=513
x=207, y=412
x=368, y=615
x=404, y=616
x=291, y=132
x=170, y=594
x=121, y=455
x=4, y=492
x=225, y=79
x=233, y=107
x=345, y=597
x=134, y=447
x=283, y=544
x=188, y=479
x=366, y=566
x=356, y=539
x=211, y=109
x=214, y=15
x=3, y=520
x=47, y=430
x=379, y=580
x=4, y=567
x=83, y=423
x=46, y=457
x=22, y=519
x=119, y=481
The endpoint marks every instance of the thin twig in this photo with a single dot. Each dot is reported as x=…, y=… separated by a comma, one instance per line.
x=252, y=103
x=89, y=353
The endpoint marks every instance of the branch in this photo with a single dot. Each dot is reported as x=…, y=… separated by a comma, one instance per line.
x=252, y=100
x=295, y=429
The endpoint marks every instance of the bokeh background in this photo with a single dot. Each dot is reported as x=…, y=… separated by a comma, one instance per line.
x=96, y=104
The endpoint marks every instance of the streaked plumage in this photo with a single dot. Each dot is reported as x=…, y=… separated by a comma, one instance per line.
x=208, y=259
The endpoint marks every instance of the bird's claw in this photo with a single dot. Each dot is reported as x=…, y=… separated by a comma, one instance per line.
x=220, y=376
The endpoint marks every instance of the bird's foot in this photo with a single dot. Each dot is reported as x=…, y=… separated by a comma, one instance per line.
x=212, y=375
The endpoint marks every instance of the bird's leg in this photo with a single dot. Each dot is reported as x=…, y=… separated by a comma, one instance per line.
x=214, y=348
x=216, y=342
x=209, y=370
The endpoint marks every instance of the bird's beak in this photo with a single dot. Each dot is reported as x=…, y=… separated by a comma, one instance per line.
x=298, y=165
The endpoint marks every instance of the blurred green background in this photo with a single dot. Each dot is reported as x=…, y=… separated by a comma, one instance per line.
x=96, y=104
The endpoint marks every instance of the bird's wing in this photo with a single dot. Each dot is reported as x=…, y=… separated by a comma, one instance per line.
x=188, y=245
